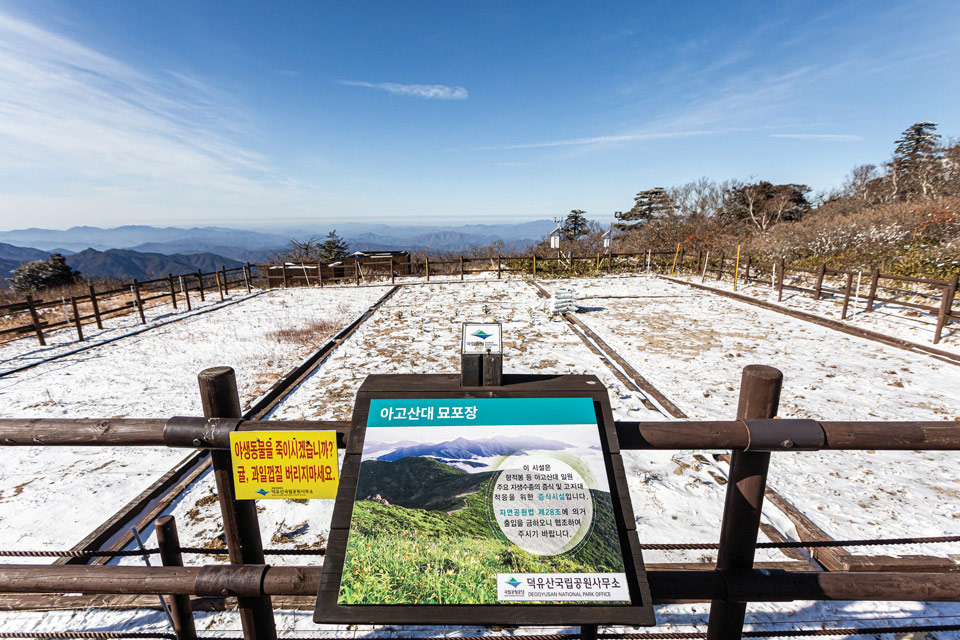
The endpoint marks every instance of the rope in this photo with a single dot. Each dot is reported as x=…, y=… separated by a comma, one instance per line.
x=87, y=634
x=266, y=552
x=666, y=635
x=74, y=554
x=678, y=546
x=805, y=545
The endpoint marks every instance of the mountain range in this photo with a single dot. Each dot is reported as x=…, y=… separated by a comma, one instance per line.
x=464, y=449
x=116, y=263
x=140, y=251
x=257, y=245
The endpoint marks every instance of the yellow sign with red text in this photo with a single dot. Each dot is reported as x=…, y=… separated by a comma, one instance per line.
x=284, y=464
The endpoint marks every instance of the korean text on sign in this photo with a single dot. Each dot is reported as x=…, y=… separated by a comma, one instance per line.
x=284, y=464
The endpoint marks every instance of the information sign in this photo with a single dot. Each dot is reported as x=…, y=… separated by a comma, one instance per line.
x=284, y=464
x=482, y=338
x=506, y=506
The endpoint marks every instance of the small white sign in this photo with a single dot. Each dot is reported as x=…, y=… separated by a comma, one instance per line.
x=545, y=587
x=482, y=337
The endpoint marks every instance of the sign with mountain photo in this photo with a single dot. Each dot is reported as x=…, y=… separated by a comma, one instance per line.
x=483, y=501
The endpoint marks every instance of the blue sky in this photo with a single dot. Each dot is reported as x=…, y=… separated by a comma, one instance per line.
x=173, y=112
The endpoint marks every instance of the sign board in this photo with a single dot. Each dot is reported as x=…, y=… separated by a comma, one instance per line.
x=482, y=338
x=284, y=464
x=502, y=507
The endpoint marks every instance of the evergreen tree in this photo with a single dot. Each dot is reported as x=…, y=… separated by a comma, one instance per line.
x=575, y=225
x=917, y=167
x=333, y=249
x=648, y=205
x=41, y=274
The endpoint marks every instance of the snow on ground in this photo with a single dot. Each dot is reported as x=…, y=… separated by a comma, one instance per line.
x=687, y=344
x=693, y=345
x=416, y=331
x=52, y=497
x=887, y=317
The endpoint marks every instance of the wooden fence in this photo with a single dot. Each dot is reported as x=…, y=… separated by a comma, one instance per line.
x=733, y=582
x=37, y=316
x=879, y=288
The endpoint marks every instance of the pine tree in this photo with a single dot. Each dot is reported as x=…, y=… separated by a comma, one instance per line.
x=575, y=225
x=333, y=249
x=648, y=205
x=917, y=168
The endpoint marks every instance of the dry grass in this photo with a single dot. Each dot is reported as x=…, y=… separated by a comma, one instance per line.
x=309, y=334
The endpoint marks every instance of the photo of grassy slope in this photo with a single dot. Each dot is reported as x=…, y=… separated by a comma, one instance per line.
x=422, y=532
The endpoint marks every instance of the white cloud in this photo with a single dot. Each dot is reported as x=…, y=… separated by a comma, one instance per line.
x=428, y=91
x=612, y=139
x=81, y=125
x=839, y=137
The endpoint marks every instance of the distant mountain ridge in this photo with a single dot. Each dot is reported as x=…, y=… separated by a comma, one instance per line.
x=464, y=449
x=126, y=264
x=259, y=245
x=116, y=263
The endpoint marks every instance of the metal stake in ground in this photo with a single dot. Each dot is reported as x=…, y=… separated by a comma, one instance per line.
x=759, y=396
x=241, y=528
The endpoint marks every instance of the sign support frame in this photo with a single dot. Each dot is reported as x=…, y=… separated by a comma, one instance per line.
x=447, y=386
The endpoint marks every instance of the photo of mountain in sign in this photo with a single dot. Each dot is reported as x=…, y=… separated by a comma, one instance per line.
x=423, y=517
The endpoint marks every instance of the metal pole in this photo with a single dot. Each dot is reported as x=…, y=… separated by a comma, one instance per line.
x=186, y=294
x=218, y=392
x=181, y=611
x=759, y=396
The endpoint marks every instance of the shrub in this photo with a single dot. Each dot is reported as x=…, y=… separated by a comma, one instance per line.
x=42, y=274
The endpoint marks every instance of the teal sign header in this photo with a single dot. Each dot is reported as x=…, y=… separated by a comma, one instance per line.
x=431, y=412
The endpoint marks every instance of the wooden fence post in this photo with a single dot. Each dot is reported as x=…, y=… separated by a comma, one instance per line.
x=874, y=280
x=248, y=275
x=783, y=269
x=499, y=267
x=138, y=301
x=96, y=308
x=226, y=285
x=76, y=317
x=200, y=284
x=284, y=275
x=699, y=258
x=180, y=608
x=173, y=292
x=946, y=304
x=759, y=396
x=185, y=292
x=846, y=295
x=426, y=266
x=609, y=262
x=821, y=271
x=320, y=273
x=241, y=528
x=461, y=267
x=746, y=271
x=356, y=271
x=35, y=319
x=534, y=266
x=720, y=271
x=219, y=284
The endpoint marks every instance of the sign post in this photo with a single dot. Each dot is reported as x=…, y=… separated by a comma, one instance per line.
x=501, y=505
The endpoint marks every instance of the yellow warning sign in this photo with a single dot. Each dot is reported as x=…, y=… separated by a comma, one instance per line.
x=284, y=464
